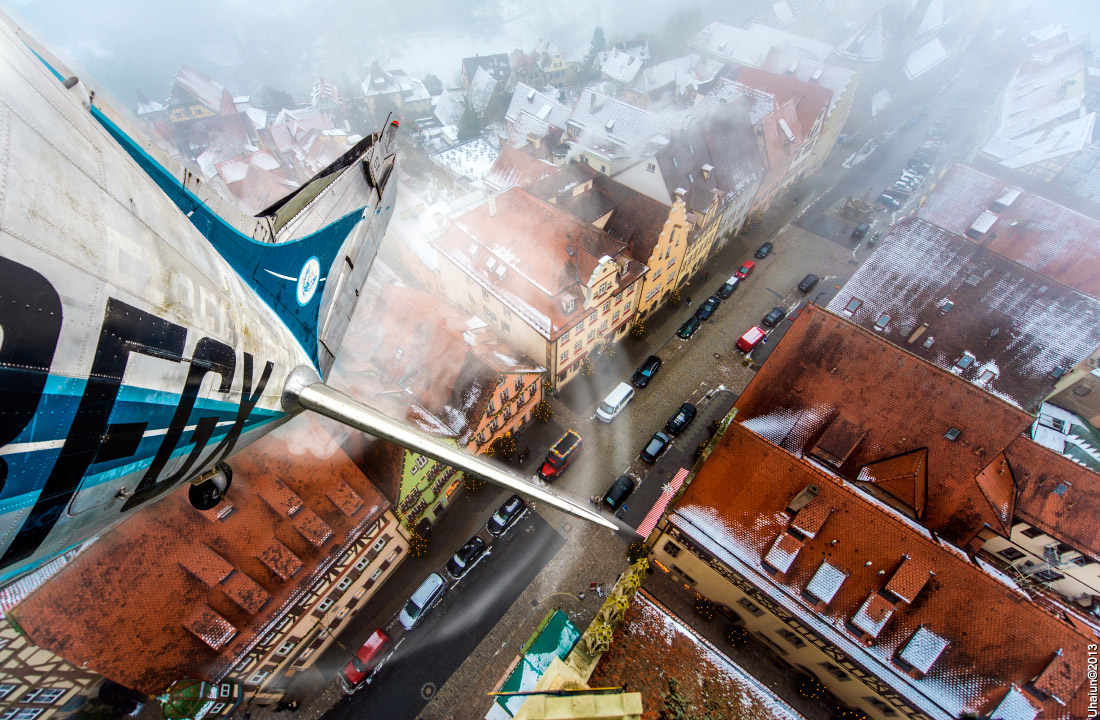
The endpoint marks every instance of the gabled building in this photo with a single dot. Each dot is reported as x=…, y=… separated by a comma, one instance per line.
x=200, y=111
x=496, y=65
x=485, y=390
x=655, y=235
x=253, y=590
x=546, y=65
x=556, y=288
x=618, y=66
x=895, y=622
x=519, y=168
x=611, y=135
x=384, y=91
x=840, y=82
x=324, y=96
x=681, y=80
x=974, y=313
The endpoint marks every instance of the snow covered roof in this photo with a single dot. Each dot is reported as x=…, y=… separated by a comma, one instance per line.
x=615, y=127
x=924, y=58
x=1036, y=232
x=381, y=82
x=684, y=72
x=1014, y=706
x=1082, y=175
x=147, y=105
x=923, y=649
x=868, y=43
x=1064, y=139
x=471, y=160
x=749, y=46
x=619, y=66
x=834, y=78
x=203, y=89
x=736, y=504
x=881, y=391
x=482, y=87
x=1017, y=326
x=826, y=582
x=537, y=104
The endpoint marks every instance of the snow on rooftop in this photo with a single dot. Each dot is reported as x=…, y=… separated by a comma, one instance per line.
x=749, y=46
x=526, y=98
x=1048, y=32
x=1014, y=706
x=873, y=614
x=783, y=552
x=924, y=58
x=471, y=160
x=620, y=66
x=1064, y=139
x=826, y=582
x=923, y=649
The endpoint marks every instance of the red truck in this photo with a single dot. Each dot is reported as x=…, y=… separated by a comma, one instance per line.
x=561, y=454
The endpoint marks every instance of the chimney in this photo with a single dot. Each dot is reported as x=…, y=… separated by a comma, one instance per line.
x=492, y=205
x=680, y=193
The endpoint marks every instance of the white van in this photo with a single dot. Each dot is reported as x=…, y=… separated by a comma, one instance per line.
x=615, y=401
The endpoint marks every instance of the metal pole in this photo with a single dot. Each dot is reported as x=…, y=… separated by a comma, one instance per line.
x=324, y=400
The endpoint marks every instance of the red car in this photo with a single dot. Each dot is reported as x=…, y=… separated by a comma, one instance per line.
x=560, y=456
x=750, y=339
x=364, y=662
x=746, y=269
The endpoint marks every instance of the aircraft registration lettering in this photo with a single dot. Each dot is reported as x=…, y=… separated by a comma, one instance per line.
x=31, y=318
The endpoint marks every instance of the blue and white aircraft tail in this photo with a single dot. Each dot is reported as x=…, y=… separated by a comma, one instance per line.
x=148, y=328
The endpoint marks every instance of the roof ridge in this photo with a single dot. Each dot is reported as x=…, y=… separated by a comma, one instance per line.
x=930, y=539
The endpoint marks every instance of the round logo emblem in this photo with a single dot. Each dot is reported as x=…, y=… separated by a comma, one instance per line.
x=308, y=280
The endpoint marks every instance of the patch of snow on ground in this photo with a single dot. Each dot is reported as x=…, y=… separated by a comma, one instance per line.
x=881, y=100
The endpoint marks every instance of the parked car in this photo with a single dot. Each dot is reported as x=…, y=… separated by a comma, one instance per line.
x=656, y=446
x=746, y=269
x=688, y=328
x=774, y=317
x=506, y=516
x=763, y=250
x=888, y=201
x=727, y=289
x=681, y=419
x=707, y=308
x=860, y=231
x=809, y=283
x=646, y=371
x=750, y=339
x=618, y=492
x=425, y=597
x=366, y=659
x=466, y=557
x=563, y=452
x=610, y=407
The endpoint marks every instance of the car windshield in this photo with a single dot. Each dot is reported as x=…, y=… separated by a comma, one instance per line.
x=606, y=408
x=654, y=445
x=358, y=664
x=411, y=608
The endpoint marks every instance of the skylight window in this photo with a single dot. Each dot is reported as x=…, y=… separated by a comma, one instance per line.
x=952, y=433
x=882, y=322
x=965, y=361
x=852, y=306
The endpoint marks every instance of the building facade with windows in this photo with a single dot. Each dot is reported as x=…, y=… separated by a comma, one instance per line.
x=557, y=288
x=36, y=684
x=486, y=389
x=232, y=593
x=896, y=623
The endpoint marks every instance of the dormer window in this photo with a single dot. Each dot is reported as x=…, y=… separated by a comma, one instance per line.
x=568, y=304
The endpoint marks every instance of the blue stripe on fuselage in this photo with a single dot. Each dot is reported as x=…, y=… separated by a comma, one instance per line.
x=254, y=261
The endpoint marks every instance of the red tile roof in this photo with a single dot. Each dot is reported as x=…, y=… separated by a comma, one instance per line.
x=547, y=256
x=1071, y=515
x=516, y=168
x=653, y=650
x=1038, y=233
x=996, y=636
x=827, y=368
x=173, y=594
x=810, y=100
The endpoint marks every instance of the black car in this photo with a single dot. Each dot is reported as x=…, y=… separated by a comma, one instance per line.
x=888, y=201
x=646, y=372
x=809, y=283
x=657, y=445
x=763, y=250
x=618, y=492
x=707, y=308
x=466, y=557
x=860, y=230
x=506, y=515
x=727, y=289
x=774, y=317
x=688, y=329
x=681, y=419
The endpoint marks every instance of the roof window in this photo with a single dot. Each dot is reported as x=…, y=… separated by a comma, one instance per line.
x=946, y=305
x=1061, y=489
x=852, y=306
x=952, y=433
x=928, y=342
x=965, y=361
x=882, y=322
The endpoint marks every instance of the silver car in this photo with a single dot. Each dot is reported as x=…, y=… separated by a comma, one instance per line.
x=427, y=595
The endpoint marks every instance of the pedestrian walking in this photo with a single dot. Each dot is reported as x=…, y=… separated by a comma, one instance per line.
x=689, y=302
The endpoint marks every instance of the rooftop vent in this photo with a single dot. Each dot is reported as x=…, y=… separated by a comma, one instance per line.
x=472, y=250
x=793, y=66
x=531, y=94
x=818, y=73
x=610, y=125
